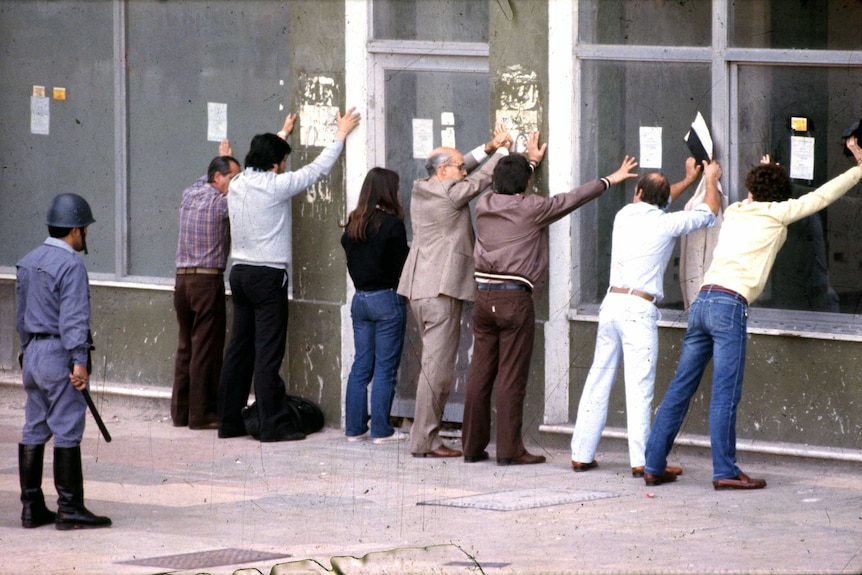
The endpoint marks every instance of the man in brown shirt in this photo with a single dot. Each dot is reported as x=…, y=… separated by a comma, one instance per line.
x=511, y=257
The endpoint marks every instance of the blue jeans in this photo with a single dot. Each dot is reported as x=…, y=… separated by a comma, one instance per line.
x=716, y=330
x=379, y=320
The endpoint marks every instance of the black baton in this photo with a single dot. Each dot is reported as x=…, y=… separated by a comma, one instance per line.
x=86, y=390
x=96, y=415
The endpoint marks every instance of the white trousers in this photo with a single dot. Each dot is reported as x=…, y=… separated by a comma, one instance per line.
x=627, y=331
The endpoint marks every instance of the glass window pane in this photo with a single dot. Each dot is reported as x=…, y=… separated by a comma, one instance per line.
x=618, y=99
x=64, y=44
x=820, y=266
x=645, y=22
x=801, y=24
x=464, y=99
x=183, y=55
x=433, y=20
x=427, y=96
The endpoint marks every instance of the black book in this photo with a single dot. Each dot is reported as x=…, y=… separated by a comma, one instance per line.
x=699, y=141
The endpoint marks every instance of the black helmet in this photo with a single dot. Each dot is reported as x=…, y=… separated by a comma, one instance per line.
x=69, y=211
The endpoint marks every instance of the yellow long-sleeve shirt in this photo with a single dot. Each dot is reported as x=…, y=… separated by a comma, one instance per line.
x=753, y=232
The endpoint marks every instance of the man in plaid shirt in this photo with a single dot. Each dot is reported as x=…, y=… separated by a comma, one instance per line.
x=199, y=297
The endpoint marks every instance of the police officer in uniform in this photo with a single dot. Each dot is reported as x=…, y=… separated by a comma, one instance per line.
x=53, y=322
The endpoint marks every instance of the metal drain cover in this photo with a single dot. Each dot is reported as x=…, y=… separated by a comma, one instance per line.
x=520, y=499
x=213, y=558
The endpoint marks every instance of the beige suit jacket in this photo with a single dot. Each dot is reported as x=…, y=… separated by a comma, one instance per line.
x=441, y=255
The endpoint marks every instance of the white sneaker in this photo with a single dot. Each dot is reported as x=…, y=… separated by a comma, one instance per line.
x=394, y=438
x=362, y=437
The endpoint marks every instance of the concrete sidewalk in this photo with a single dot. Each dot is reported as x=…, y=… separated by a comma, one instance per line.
x=185, y=501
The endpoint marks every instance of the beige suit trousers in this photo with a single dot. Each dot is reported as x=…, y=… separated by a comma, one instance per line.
x=439, y=320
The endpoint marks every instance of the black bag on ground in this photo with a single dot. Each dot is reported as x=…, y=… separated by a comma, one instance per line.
x=305, y=416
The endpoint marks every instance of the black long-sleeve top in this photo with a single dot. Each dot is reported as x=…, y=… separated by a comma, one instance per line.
x=376, y=263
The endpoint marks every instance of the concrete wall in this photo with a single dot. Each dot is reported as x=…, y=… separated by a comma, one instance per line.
x=795, y=391
x=313, y=360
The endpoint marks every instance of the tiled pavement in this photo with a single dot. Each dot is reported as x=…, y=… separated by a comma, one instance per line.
x=187, y=502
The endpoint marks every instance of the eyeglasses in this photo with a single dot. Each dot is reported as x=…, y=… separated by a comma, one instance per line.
x=458, y=167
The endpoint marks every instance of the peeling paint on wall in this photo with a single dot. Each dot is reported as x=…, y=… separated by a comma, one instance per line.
x=519, y=104
x=317, y=112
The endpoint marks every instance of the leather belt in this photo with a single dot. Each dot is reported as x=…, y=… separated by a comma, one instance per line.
x=198, y=271
x=632, y=291
x=503, y=286
x=46, y=336
x=712, y=287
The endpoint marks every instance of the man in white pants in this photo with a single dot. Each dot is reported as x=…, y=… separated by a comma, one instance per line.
x=643, y=239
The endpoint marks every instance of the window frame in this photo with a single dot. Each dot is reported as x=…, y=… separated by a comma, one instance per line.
x=724, y=63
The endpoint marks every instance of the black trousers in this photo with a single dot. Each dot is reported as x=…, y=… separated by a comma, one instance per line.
x=256, y=350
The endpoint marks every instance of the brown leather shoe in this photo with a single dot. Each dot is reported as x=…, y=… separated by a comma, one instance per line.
x=577, y=466
x=441, y=451
x=639, y=471
x=741, y=481
x=665, y=477
x=525, y=459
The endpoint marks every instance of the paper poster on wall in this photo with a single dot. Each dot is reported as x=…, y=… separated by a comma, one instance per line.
x=317, y=125
x=447, y=137
x=423, y=137
x=447, y=119
x=216, y=122
x=650, y=147
x=40, y=115
x=802, y=158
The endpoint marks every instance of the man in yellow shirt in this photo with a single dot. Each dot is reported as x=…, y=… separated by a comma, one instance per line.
x=751, y=235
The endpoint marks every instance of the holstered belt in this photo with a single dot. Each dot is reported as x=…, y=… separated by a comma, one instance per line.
x=198, y=271
x=632, y=291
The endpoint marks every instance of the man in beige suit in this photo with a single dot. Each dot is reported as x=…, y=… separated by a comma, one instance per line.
x=438, y=275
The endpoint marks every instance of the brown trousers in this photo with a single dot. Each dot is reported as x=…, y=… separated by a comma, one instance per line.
x=503, y=330
x=199, y=301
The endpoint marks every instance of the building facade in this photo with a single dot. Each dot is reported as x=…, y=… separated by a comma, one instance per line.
x=123, y=102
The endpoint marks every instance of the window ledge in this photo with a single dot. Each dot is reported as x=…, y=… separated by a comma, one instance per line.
x=761, y=321
x=428, y=48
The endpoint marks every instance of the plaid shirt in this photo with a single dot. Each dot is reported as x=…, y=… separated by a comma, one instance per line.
x=204, y=239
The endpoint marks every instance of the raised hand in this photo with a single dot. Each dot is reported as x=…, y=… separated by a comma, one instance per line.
x=346, y=123
x=625, y=172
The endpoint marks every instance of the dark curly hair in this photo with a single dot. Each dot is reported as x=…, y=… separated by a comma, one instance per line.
x=768, y=183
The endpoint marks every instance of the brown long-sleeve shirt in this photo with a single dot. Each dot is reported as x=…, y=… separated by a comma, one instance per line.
x=512, y=232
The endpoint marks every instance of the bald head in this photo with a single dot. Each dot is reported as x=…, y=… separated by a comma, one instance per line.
x=654, y=189
x=445, y=163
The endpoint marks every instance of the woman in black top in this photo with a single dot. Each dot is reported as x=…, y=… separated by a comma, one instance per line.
x=375, y=242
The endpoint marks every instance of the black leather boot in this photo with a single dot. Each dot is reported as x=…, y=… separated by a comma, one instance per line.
x=34, y=513
x=69, y=481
